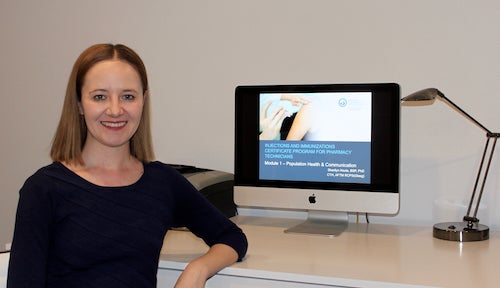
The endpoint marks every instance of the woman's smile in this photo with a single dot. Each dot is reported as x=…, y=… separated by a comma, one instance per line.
x=114, y=124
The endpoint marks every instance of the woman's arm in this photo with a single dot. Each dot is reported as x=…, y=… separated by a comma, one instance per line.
x=201, y=269
x=28, y=256
x=226, y=240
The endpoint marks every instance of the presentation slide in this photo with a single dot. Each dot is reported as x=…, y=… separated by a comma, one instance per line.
x=324, y=137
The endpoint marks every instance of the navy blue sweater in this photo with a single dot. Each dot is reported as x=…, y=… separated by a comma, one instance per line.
x=72, y=233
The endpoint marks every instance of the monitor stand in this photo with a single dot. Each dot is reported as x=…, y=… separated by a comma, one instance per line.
x=327, y=223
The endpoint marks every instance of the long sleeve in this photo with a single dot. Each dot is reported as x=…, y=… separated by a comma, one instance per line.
x=195, y=212
x=28, y=259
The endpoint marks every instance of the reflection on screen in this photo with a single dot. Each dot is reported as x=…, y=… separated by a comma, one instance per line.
x=319, y=136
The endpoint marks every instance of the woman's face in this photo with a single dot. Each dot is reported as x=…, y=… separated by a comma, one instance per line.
x=112, y=103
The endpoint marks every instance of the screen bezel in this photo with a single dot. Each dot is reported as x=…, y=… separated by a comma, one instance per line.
x=385, y=136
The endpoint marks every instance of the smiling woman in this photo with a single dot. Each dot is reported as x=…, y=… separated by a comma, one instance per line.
x=97, y=216
x=72, y=130
x=112, y=102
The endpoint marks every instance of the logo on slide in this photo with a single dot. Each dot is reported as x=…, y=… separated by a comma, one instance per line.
x=342, y=102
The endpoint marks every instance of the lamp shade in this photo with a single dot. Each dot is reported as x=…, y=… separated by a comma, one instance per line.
x=423, y=95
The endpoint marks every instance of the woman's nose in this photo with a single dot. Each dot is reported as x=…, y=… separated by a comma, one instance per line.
x=114, y=109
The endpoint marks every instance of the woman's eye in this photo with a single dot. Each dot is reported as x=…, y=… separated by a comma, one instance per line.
x=99, y=97
x=128, y=97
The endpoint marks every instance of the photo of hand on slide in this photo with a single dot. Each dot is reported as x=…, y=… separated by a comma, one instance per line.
x=271, y=120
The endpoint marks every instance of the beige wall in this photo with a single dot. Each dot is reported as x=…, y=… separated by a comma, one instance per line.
x=198, y=51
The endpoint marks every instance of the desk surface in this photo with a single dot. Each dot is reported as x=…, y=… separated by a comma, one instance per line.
x=366, y=255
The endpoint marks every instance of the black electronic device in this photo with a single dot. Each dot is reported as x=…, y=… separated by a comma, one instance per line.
x=336, y=151
x=216, y=186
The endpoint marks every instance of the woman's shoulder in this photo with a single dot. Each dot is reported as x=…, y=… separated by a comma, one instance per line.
x=166, y=174
x=46, y=172
x=159, y=167
x=53, y=174
x=42, y=181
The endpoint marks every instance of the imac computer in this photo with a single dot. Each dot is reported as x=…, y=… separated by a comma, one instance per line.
x=328, y=149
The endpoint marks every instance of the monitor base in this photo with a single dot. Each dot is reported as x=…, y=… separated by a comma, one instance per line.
x=324, y=223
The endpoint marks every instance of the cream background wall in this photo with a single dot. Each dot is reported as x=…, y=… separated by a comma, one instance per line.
x=197, y=52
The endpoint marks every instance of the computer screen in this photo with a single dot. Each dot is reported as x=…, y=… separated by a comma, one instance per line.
x=324, y=148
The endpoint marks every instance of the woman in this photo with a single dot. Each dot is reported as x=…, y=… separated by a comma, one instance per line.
x=97, y=216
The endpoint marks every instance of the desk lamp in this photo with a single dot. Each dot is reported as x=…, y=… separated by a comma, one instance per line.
x=469, y=229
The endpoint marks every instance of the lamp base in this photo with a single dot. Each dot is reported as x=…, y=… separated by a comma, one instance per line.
x=461, y=232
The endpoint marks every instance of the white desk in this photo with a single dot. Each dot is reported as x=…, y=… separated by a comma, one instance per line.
x=4, y=264
x=364, y=256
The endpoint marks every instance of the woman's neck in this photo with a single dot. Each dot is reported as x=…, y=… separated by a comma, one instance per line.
x=109, y=167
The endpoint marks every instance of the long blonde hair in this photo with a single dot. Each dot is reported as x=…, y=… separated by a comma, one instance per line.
x=71, y=132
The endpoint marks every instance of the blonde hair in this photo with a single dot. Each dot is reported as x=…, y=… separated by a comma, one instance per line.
x=71, y=132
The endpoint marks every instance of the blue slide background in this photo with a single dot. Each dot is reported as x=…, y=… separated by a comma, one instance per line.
x=323, y=161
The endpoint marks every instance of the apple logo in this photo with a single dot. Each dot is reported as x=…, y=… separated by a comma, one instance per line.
x=312, y=199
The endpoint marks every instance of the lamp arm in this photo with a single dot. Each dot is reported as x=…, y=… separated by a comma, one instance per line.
x=465, y=113
x=473, y=219
x=485, y=175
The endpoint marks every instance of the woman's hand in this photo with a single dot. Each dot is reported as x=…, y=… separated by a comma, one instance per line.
x=201, y=269
x=194, y=276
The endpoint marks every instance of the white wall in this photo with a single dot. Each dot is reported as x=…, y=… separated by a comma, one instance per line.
x=198, y=51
